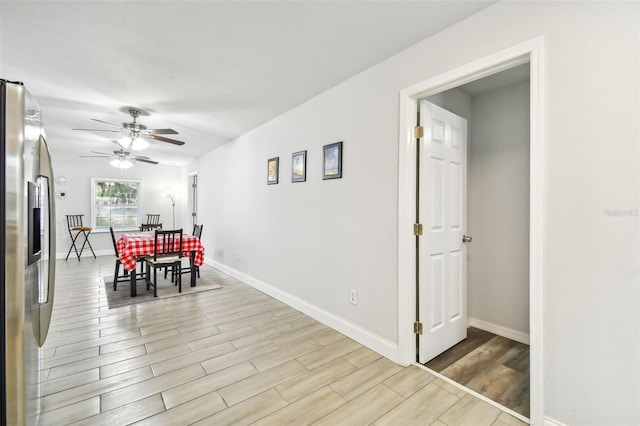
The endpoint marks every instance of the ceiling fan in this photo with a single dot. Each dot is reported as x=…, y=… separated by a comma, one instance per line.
x=135, y=133
x=121, y=159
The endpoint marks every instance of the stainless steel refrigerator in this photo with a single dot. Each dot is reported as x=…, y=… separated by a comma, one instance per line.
x=27, y=248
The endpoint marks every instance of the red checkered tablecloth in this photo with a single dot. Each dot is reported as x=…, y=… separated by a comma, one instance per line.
x=132, y=246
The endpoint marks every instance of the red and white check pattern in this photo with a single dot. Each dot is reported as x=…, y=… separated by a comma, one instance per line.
x=132, y=246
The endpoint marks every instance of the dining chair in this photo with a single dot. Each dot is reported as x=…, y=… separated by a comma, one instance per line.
x=197, y=232
x=74, y=225
x=116, y=275
x=168, y=253
x=153, y=219
x=117, y=278
x=150, y=226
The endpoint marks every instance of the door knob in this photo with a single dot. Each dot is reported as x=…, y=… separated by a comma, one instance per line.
x=466, y=239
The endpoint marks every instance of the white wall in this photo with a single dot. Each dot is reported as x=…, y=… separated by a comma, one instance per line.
x=316, y=240
x=156, y=179
x=498, y=208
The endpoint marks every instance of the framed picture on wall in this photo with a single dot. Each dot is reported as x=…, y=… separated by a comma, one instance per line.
x=332, y=161
x=299, y=166
x=272, y=170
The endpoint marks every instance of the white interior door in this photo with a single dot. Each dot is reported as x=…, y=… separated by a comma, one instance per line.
x=442, y=287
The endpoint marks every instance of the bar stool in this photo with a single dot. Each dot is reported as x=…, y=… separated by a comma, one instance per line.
x=74, y=224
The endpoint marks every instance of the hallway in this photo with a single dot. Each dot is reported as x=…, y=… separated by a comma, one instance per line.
x=228, y=356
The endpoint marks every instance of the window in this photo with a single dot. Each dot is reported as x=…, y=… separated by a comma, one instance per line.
x=116, y=203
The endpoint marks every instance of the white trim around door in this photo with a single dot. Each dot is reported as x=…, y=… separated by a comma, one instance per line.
x=529, y=52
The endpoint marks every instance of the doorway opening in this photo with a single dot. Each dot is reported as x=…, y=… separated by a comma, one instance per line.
x=488, y=287
x=520, y=289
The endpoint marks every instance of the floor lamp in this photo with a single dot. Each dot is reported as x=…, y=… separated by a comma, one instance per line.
x=173, y=207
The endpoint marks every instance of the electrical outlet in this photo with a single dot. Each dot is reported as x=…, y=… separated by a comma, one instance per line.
x=353, y=296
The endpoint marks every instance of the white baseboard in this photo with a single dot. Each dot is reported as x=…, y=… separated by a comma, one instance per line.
x=551, y=422
x=372, y=341
x=509, y=333
x=86, y=253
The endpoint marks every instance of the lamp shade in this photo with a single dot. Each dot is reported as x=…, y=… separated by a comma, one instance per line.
x=125, y=142
x=121, y=163
x=135, y=142
x=138, y=144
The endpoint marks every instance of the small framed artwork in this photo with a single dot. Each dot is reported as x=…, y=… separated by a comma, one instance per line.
x=272, y=170
x=332, y=161
x=299, y=166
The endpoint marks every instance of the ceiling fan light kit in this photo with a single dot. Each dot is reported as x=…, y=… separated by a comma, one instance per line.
x=121, y=163
x=137, y=143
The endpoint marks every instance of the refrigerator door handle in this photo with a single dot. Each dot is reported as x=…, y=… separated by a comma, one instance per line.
x=46, y=308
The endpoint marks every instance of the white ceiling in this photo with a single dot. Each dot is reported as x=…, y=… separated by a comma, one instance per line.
x=212, y=70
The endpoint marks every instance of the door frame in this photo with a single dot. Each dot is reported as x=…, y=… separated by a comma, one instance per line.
x=190, y=194
x=531, y=52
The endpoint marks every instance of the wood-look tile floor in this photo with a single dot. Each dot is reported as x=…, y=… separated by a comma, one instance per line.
x=491, y=365
x=232, y=356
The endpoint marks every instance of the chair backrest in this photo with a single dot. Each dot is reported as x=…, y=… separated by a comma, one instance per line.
x=74, y=220
x=197, y=231
x=113, y=238
x=153, y=219
x=150, y=226
x=167, y=244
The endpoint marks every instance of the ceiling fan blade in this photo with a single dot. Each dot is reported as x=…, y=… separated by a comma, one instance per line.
x=94, y=156
x=100, y=130
x=101, y=153
x=163, y=139
x=106, y=122
x=144, y=160
x=162, y=131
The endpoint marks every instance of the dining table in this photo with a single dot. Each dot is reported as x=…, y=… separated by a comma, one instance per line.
x=132, y=246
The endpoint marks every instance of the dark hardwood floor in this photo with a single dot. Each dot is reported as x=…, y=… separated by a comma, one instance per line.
x=491, y=365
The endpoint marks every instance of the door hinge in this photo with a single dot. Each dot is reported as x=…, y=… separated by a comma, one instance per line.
x=417, y=229
x=418, y=132
x=417, y=327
